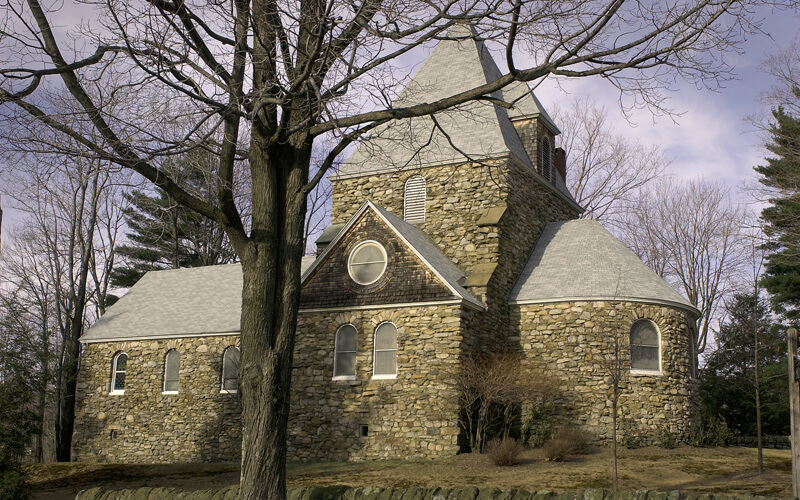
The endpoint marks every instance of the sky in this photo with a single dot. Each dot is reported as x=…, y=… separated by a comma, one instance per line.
x=711, y=138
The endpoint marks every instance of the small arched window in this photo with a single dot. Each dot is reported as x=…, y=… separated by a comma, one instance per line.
x=645, y=347
x=385, y=355
x=344, y=356
x=414, y=199
x=172, y=367
x=545, y=157
x=230, y=370
x=118, y=369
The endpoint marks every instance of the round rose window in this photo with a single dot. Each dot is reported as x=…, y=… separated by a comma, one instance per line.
x=367, y=262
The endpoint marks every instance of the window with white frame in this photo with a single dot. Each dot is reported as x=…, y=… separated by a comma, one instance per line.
x=230, y=370
x=414, y=199
x=172, y=367
x=118, y=368
x=344, y=355
x=367, y=262
x=385, y=355
x=645, y=347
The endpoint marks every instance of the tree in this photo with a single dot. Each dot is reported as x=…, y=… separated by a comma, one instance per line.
x=166, y=235
x=782, y=219
x=273, y=78
x=748, y=341
x=605, y=171
x=689, y=234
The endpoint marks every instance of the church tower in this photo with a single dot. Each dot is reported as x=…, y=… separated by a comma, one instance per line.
x=481, y=180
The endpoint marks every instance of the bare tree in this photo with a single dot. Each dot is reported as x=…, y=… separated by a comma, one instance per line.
x=69, y=209
x=605, y=170
x=689, y=233
x=275, y=76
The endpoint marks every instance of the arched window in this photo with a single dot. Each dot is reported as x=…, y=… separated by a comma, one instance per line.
x=172, y=367
x=230, y=370
x=414, y=199
x=118, y=369
x=344, y=355
x=645, y=347
x=545, y=158
x=385, y=355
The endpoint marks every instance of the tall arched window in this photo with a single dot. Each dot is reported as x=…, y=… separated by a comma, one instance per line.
x=344, y=355
x=230, y=370
x=414, y=199
x=385, y=355
x=118, y=368
x=172, y=367
x=545, y=157
x=645, y=347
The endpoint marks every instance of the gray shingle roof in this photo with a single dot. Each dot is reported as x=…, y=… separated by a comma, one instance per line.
x=424, y=248
x=580, y=260
x=177, y=303
x=478, y=129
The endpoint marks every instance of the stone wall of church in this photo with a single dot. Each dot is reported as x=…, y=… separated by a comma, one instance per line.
x=413, y=415
x=199, y=424
x=572, y=342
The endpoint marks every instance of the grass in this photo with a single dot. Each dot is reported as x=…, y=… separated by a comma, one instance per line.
x=706, y=470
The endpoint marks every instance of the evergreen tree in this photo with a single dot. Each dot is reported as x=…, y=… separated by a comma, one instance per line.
x=728, y=382
x=166, y=235
x=782, y=219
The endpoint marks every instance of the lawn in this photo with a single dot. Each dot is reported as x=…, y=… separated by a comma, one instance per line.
x=709, y=470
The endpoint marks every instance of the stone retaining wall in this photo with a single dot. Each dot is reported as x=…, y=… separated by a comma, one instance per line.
x=772, y=442
x=346, y=493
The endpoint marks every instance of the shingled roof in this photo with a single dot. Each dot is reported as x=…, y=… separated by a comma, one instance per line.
x=580, y=260
x=190, y=302
x=478, y=129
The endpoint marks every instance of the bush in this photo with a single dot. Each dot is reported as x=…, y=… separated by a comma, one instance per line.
x=565, y=442
x=666, y=438
x=505, y=452
x=709, y=432
x=13, y=485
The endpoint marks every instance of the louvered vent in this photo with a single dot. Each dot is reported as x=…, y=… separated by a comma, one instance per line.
x=414, y=200
x=546, y=157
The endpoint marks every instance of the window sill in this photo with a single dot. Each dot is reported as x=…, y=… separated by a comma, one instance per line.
x=226, y=391
x=116, y=393
x=167, y=393
x=652, y=373
x=384, y=377
x=344, y=377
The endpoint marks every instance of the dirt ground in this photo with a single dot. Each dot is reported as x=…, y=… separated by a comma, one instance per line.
x=708, y=470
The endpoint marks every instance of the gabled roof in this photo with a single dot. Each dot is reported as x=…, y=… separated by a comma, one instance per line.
x=581, y=260
x=479, y=129
x=418, y=242
x=189, y=302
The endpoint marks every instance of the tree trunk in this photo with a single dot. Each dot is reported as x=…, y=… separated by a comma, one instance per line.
x=758, y=397
x=270, y=296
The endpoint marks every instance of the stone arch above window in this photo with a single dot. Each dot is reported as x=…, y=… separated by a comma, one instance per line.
x=344, y=353
x=172, y=368
x=119, y=367
x=414, y=199
x=645, y=345
x=384, y=361
x=230, y=370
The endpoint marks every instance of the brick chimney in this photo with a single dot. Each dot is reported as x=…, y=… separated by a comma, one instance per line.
x=561, y=163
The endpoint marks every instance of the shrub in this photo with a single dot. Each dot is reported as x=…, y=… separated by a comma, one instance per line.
x=712, y=431
x=13, y=485
x=565, y=442
x=666, y=438
x=504, y=452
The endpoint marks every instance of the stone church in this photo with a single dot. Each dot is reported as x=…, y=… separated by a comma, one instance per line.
x=447, y=237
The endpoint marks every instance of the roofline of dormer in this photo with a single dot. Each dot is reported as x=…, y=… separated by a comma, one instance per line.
x=543, y=117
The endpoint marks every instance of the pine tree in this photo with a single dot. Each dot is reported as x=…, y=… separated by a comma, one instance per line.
x=166, y=235
x=728, y=382
x=782, y=219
